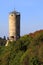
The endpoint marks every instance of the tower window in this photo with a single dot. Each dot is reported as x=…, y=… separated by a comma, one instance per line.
x=12, y=15
x=12, y=36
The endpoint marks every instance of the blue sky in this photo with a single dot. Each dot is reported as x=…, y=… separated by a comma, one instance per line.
x=31, y=15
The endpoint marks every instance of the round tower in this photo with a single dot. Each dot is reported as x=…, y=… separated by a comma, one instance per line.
x=14, y=25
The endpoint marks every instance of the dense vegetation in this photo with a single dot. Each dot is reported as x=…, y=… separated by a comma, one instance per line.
x=2, y=41
x=28, y=50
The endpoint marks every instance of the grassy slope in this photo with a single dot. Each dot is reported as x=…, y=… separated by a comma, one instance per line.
x=28, y=50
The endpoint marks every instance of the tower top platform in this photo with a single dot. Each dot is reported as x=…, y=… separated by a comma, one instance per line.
x=15, y=12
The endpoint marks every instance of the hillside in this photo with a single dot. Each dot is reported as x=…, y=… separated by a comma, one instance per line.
x=28, y=50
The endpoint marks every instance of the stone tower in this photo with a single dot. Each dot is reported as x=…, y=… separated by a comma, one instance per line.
x=14, y=25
